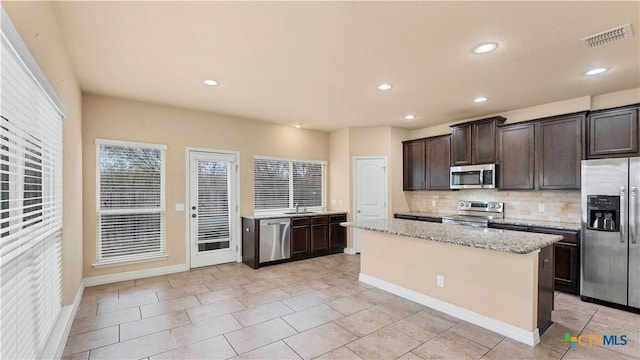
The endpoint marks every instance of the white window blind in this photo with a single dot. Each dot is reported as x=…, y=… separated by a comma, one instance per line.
x=280, y=184
x=130, y=202
x=30, y=207
x=213, y=205
x=307, y=184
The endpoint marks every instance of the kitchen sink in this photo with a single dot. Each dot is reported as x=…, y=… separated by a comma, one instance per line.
x=300, y=213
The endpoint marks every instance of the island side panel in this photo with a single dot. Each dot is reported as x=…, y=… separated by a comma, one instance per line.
x=498, y=285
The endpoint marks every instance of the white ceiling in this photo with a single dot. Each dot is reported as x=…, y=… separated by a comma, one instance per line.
x=318, y=63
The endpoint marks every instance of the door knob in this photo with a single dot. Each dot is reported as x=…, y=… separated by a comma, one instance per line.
x=193, y=215
x=193, y=207
x=359, y=211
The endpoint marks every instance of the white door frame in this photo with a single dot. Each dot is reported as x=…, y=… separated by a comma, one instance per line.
x=237, y=224
x=356, y=242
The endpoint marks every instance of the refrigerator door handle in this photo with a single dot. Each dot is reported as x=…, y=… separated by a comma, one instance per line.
x=623, y=214
x=633, y=217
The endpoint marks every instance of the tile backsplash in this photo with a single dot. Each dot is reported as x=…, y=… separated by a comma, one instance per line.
x=561, y=206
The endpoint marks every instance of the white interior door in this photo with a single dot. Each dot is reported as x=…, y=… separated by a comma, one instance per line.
x=370, y=191
x=212, y=208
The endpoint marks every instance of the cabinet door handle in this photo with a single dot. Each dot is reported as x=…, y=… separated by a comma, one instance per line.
x=623, y=230
x=633, y=217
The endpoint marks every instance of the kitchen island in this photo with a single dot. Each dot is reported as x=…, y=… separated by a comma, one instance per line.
x=497, y=279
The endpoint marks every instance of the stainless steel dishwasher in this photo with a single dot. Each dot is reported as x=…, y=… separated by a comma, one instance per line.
x=274, y=239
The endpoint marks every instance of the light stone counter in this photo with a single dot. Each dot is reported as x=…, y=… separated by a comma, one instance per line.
x=509, y=221
x=538, y=223
x=277, y=216
x=515, y=242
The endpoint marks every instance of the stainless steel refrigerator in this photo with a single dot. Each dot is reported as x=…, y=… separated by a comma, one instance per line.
x=610, y=260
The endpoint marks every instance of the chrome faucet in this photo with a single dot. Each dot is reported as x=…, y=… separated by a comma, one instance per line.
x=297, y=206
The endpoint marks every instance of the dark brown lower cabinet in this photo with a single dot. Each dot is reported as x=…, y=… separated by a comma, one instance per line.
x=337, y=233
x=566, y=254
x=567, y=266
x=545, y=288
x=319, y=234
x=300, y=241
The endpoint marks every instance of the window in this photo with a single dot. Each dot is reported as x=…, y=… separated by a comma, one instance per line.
x=282, y=184
x=130, y=202
x=30, y=202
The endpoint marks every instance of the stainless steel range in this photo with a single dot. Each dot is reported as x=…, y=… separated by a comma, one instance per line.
x=476, y=213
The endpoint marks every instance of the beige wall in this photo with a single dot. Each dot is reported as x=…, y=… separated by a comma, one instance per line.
x=373, y=141
x=619, y=98
x=398, y=200
x=31, y=18
x=117, y=119
x=383, y=141
x=339, y=171
x=482, y=285
x=604, y=101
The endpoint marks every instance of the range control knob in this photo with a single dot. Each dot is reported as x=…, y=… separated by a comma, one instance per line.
x=498, y=206
x=492, y=205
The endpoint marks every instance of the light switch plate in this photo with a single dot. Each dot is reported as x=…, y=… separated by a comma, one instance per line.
x=179, y=207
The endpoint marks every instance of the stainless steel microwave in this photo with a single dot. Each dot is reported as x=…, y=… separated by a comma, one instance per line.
x=473, y=177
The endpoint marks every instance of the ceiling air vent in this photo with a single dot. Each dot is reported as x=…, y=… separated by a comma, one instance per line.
x=620, y=32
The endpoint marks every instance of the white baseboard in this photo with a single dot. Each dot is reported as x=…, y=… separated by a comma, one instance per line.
x=58, y=337
x=530, y=338
x=350, y=251
x=132, y=275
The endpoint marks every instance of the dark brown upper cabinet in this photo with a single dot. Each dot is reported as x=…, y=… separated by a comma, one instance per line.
x=559, y=149
x=461, y=145
x=413, y=165
x=516, y=156
x=614, y=133
x=438, y=162
x=474, y=142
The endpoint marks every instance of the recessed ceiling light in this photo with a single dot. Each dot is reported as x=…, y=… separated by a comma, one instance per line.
x=384, y=87
x=596, y=71
x=210, y=82
x=480, y=99
x=485, y=48
x=409, y=117
x=298, y=126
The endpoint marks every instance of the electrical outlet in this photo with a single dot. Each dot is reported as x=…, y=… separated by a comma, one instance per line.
x=440, y=280
x=541, y=207
x=433, y=203
x=333, y=201
x=179, y=207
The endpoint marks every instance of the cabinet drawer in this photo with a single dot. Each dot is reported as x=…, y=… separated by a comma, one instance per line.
x=508, y=227
x=302, y=221
x=337, y=218
x=319, y=220
x=429, y=219
x=568, y=236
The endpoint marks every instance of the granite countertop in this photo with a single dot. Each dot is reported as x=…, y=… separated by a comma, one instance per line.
x=539, y=223
x=492, y=239
x=277, y=216
x=511, y=221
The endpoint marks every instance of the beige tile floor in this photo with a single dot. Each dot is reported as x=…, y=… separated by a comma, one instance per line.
x=308, y=309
